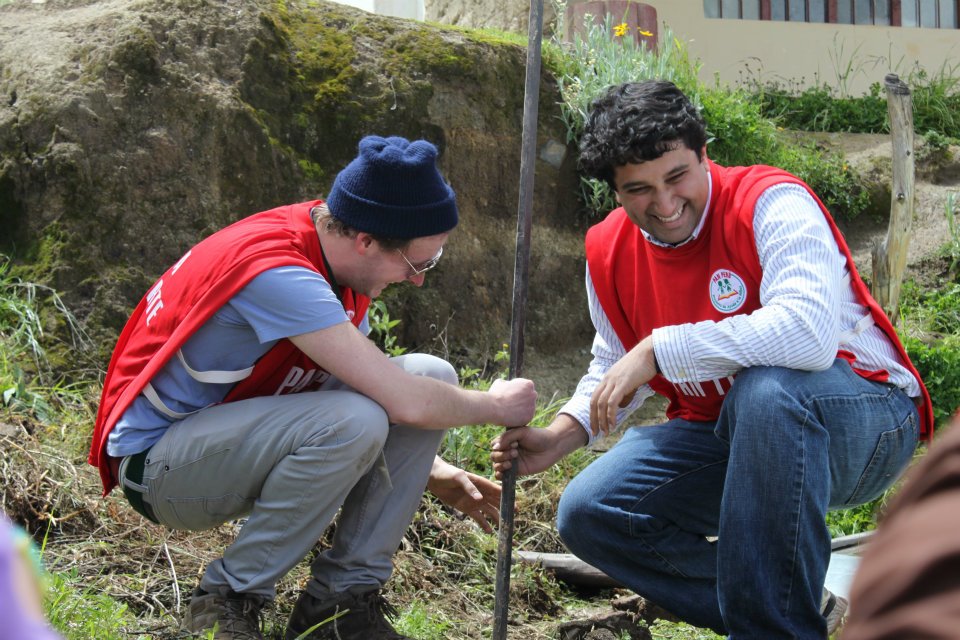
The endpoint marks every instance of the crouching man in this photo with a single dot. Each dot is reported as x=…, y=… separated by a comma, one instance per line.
x=244, y=384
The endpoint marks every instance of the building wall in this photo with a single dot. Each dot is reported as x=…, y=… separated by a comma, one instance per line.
x=847, y=57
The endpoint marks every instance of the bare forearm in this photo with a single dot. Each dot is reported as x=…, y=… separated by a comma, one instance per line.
x=415, y=400
x=533, y=450
x=432, y=404
x=569, y=434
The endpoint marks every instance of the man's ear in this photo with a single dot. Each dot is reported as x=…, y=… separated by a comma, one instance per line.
x=362, y=242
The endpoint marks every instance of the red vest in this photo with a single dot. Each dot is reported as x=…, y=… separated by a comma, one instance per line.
x=188, y=295
x=642, y=286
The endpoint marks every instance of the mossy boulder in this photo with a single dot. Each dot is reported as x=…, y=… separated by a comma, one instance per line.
x=131, y=129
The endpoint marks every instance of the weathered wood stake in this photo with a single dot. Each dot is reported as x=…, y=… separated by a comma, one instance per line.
x=890, y=256
x=528, y=158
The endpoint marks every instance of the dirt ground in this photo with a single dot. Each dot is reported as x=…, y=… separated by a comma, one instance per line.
x=99, y=537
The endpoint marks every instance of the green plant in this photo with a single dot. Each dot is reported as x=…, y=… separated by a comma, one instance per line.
x=830, y=177
x=740, y=132
x=381, y=325
x=469, y=447
x=952, y=248
x=823, y=107
x=600, y=58
x=930, y=312
x=936, y=141
x=846, y=522
x=25, y=372
x=939, y=365
x=663, y=630
x=930, y=329
x=80, y=611
x=420, y=622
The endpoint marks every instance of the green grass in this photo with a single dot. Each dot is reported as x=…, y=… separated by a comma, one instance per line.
x=662, y=630
x=447, y=554
x=417, y=621
x=29, y=382
x=952, y=247
x=80, y=612
x=823, y=107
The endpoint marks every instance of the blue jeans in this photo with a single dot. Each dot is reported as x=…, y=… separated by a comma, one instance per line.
x=788, y=445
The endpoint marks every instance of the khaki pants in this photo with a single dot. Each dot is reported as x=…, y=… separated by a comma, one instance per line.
x=289, y=463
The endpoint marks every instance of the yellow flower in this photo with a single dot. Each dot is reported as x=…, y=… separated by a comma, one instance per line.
x=620, y=30
x=646, y=34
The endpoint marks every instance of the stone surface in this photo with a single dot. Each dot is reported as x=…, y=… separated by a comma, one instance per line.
x=130, y=129
x=506, y=15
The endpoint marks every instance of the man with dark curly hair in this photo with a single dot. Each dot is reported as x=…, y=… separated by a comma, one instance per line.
x=730, y=291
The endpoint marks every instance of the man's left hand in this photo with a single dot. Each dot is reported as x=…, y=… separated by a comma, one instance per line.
x=620, y=384
x=466, y=492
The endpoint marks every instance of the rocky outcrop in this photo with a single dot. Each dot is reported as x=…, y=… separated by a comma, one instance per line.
x=131, y=129
x=507, y=15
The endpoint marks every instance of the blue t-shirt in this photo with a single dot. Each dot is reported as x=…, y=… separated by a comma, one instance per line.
x=277, y=304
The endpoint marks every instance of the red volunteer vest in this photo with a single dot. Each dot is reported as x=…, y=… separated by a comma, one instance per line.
x=642, y=286
x=188, y=295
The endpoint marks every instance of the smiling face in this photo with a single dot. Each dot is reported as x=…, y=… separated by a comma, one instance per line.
x=382, y=266
x=665, y=197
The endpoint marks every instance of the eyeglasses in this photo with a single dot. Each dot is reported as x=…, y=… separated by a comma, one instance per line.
x=423, y=268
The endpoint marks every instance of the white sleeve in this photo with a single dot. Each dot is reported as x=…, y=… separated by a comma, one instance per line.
x=797, y=325
x=606, y=350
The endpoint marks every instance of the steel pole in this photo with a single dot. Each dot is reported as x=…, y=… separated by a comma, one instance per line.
x=528, y=157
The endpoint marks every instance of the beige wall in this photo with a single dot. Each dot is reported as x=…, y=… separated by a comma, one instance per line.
x=786, y=51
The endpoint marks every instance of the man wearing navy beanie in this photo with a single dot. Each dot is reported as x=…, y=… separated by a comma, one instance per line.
x=393, y=189
x=244, y=385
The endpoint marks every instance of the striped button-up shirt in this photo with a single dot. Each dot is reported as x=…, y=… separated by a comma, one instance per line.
x=809, y=312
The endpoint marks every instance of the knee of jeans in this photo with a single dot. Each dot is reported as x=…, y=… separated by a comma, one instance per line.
x=577, y=519
x=422, y=364
x=760, y=388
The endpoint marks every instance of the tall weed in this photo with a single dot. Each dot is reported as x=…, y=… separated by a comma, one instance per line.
x=79, y=612
x=822, y=107
x=598, y=59
x=938, y=362
x=739, y=131
x=28, y=381
x=952, y=248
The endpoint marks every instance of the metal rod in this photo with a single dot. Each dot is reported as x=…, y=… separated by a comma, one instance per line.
x=528, y=157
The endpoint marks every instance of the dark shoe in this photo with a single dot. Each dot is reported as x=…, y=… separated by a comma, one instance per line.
x=357, y=615
x=235, y=617
x=834, y=609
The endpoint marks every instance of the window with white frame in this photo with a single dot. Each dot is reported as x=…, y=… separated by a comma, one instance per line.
x=935, y=14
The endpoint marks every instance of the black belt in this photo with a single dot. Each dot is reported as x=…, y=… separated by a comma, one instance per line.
x=134, y=473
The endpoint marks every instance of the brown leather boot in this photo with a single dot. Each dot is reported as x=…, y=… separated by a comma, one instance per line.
x=234, y=617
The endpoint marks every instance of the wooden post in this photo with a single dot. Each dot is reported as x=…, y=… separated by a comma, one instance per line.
x=521, y=277
x=890, y=257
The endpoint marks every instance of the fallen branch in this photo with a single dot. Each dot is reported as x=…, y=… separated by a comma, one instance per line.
x=569, y=568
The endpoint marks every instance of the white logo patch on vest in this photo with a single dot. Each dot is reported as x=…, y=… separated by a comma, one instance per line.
x=728, y=291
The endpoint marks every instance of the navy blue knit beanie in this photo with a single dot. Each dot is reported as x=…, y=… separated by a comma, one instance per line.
x=393, y=189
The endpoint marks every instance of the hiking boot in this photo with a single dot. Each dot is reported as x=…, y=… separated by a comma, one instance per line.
x=235, y=617
x=358, y=614
x=834, y=609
